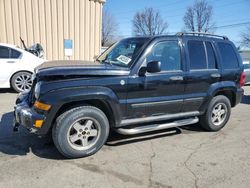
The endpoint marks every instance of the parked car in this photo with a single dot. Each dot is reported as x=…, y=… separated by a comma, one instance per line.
x=141, y=84
x=247, y=71
x=17, y=66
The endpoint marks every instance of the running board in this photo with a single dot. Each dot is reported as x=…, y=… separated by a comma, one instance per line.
x=155, y=127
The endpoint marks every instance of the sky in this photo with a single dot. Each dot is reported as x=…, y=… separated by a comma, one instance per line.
x=225, y=13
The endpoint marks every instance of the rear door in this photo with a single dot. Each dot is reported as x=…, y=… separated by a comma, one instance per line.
x=203, y=71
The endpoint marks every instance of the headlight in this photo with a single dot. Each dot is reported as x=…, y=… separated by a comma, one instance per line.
x=37, y=90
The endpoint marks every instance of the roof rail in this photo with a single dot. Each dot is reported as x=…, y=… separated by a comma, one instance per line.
x=201, y=34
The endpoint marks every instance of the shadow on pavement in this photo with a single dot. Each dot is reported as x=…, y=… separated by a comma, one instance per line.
x=116, y=139
x=190, y=129
x=22, y=142
x=7, y=91
x=245, y=99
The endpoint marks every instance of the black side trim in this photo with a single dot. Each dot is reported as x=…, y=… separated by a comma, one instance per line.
x=136, y=105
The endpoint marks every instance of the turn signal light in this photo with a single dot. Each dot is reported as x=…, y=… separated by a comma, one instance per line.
x=38, y=123
x=42, y=106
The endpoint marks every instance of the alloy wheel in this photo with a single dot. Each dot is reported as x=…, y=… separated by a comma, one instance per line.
x=23, y=82
x=219, y=114
x=84, y=133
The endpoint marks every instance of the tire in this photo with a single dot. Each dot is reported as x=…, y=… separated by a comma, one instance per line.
x=21, y=81
x=80, y=132
x=214, y=119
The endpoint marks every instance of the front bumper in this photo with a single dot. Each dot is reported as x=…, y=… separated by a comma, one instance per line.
x=24, y=115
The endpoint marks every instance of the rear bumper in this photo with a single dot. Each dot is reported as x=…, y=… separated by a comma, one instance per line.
x=24, y=115
x=239, y=95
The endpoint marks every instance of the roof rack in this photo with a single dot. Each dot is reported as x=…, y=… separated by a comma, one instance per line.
x=201, y=34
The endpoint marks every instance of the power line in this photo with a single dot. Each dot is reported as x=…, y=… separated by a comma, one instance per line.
x=216, y=27
x=183, y=8
x=232, y=25
x=129, y=20
x=237, y=24
x=168, y=5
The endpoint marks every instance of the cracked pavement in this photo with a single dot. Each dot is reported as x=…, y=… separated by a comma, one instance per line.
x=179, y=157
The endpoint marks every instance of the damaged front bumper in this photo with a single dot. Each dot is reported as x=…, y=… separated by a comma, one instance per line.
x=24, y=115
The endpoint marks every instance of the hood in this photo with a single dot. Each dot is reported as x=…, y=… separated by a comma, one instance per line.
x=78, y=69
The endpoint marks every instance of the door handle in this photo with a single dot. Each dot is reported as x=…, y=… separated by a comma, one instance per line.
x=176, y=78
x=10, y=61
x=215, y=75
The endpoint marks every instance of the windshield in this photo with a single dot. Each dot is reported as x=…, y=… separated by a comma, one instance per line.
x=123, y=53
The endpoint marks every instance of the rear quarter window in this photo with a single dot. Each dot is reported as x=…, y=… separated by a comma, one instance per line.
x=15, y=54
x=228, y=56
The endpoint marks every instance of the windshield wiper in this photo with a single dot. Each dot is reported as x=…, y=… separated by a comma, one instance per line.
x=98, y=60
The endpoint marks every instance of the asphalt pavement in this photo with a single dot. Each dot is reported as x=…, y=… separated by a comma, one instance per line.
x=178, y=157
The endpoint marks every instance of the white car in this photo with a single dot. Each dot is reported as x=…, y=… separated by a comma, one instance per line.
x=17, y=66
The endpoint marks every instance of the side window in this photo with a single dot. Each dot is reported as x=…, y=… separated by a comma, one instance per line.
x=229, y=58
x=15, y=54
x=4, y=52
x=168, y=53
x=212, y=64
x=197, y=55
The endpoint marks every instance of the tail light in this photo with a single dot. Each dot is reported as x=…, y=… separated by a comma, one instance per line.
x=242, y=79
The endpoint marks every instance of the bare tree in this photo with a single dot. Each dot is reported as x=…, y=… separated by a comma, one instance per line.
x=109, y=28
x=148, y=22
x=245, y=37
x=198, y=17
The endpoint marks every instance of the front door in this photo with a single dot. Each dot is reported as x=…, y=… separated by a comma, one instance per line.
x=158, y=93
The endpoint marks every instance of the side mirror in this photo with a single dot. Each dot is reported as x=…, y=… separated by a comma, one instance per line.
x=154, y=67
x=142, y=71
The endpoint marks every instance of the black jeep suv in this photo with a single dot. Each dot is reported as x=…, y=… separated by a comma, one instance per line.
x=138, y=85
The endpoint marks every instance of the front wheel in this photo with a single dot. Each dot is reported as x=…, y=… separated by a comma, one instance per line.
x=217, y=114
x=80, y=132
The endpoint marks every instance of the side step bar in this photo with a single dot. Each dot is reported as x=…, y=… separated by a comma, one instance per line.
x=154, y=127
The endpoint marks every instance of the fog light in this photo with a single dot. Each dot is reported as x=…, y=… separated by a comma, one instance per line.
x=42, y=106
x=38, y=123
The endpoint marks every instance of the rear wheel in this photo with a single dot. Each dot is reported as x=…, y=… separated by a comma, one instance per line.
x=21, y=81
x=217, y=114
x=81, y=131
